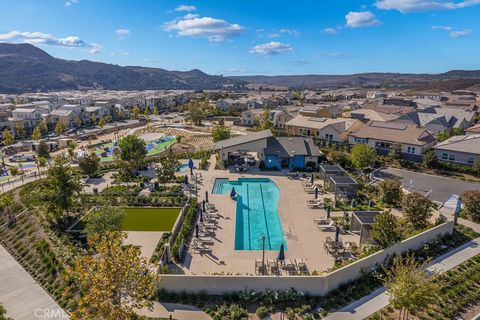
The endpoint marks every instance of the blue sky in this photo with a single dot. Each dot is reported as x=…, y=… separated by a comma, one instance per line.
x=246, y=37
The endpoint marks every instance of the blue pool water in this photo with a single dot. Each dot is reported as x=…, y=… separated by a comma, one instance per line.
x=183, y=167
x=256, y=213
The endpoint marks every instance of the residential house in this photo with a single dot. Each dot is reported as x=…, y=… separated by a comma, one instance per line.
x=323, y=128
x=97, y=112
x=294, y=153
x=382, y=136
x=251, y=117
x=463, y=150
x=324, y=111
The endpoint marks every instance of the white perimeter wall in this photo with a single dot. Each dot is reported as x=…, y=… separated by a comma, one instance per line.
x=315, y=285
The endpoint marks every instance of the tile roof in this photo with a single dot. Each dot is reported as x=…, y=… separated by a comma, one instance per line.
x=474, y=129
x=340, y=124
x=396, y=132
x=467, y=144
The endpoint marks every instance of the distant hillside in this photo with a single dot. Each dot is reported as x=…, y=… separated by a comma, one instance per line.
x=455, y=79
x=26, y=68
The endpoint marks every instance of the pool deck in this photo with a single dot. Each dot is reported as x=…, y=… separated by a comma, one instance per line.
x=304, y=240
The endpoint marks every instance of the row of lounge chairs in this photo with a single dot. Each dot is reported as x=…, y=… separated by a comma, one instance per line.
x=275, y=267
x=203, y=243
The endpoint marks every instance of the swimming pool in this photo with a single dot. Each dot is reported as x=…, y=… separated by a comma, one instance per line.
x=256, y=213
x=183, y=167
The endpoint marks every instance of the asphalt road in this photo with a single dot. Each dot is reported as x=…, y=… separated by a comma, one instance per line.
x=440, y=188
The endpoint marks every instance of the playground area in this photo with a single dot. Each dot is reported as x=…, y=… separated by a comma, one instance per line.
x=155, y=144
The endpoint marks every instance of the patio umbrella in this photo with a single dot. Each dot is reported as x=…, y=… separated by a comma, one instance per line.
x=196, y=231
x=191, y=171
x=206, y=196
x=311, y=178
x=337, y=233
x=281, y=253
x=233, y=193
x=316, y=192
x=328, y=212
x=203, y=205
x=186, y=179
x=190, y=163
x=201, y=215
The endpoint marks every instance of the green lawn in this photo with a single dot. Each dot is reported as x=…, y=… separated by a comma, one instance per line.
x=149, y=219
x=144, y=219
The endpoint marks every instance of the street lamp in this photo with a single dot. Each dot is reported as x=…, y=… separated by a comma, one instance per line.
x=263, y=253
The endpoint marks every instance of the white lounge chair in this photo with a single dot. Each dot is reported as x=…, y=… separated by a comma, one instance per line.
x=314, y=203
x=325, y=227
x=322, y=221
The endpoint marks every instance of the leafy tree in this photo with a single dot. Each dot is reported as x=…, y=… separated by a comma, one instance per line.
x=385, y=229
x=14, y=171
x=167, y=169
x=42, y=150
x=430, y=159
x=60, y=127
x=42, y=162
x=409, y=287
x=89, y=164
x=113, y=282
x=6, y=204
x=442, y=136
x=7, y=137
x=220, y=133
x=417, y=209
x=42, y=126
x=93, y=119
x=62, y=186
x=265, y=121
x=78, y=122
x=195, y=114
x=135, y=112
x=36, y=134
x=339, y=157
x=395, y=152
x=19, y=130
x=476, y=167
x=457, y=131
x=3, y=313
x=362, y=156
x=108, y=118
x=146, y=113
x=101, y=123
x=104, y=220
x=391, y=192
x=132, y=150
x=155, y=111
x=471, y=204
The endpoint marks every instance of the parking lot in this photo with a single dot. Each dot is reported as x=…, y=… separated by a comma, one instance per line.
x=438, y=188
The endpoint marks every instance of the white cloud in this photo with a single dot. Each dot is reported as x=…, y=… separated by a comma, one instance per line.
x=330, y=31
x=273, y=35
x=70, y=3
x=453, y=33
x=184, y=7
x=215, y=30
x=271, y=48
x=291, y=32
x=122, y=32
x=361, y=19
x=48, y=39
x=424, y=5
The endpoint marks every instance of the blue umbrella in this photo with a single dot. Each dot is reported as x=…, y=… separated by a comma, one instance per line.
x=186, y=179
x=328, y=212
x=190, y=163
x=206, y=196
x=203, y=205
x=201, y=215
x=337, y=234
x=281, y=253
x=316, y=192
x=196, y=231
x=233, y=193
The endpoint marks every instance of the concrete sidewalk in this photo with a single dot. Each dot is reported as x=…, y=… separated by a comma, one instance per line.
x=22, y=296
x=379, y=299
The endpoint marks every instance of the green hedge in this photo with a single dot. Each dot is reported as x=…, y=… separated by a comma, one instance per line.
x=187, y=228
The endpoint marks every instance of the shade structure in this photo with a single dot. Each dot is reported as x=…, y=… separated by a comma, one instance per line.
x=203, y=205
x=206, y=196
x=197, y=231
x=190, y=163
x=233, y=193
x=316, y=192
x=281, y=253
x=328, y=212
x=337, y=233
x=311, y=178
x=185, y=179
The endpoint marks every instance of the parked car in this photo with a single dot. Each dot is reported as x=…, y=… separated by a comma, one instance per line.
x=22, y=157
x=250, y=160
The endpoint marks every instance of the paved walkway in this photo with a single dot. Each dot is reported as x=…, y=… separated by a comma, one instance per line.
x=379, y=299
x=21, y=295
